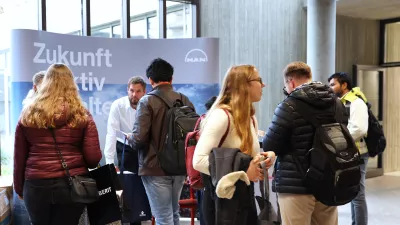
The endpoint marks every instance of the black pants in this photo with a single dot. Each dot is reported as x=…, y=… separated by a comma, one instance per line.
x=48, y=202
x=199, y=196
x=131, y=157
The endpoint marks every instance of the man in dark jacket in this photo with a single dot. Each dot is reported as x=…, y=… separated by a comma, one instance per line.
x=290, y=134
x=148, y=137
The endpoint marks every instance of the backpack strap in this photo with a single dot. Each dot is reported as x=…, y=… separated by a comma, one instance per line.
x=165, y=100
x=162, y=97
x=314, y=118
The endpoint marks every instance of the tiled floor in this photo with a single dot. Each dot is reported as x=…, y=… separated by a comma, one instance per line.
x=383, y=196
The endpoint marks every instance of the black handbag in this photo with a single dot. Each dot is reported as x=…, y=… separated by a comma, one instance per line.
x=83, y=188
x=134, y=202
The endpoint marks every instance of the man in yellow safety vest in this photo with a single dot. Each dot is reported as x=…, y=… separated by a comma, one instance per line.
x=355, y=102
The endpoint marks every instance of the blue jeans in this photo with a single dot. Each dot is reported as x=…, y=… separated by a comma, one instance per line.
x=359, y=210
x=164, y=193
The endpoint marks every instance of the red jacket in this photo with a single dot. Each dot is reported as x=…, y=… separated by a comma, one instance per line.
x=35, y=155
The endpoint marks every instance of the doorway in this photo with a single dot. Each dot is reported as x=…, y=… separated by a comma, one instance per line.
x=370, y=80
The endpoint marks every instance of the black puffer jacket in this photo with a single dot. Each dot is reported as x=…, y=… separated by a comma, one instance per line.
x=290, y=134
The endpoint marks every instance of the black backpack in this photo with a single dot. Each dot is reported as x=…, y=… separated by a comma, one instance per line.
x=334, y=173
x=178, y=121
x=375, y=139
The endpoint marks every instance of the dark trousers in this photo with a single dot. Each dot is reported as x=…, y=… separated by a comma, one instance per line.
x=199, y=196
x=48, y=202
x=131, y=162
x=240, y=210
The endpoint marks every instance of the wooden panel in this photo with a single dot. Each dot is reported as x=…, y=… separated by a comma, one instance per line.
x=371, y=9
x=268, y=34
x=357, y=42
x=392, y=51
x=391, y=156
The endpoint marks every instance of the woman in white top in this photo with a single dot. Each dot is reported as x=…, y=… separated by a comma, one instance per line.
x=242, y=87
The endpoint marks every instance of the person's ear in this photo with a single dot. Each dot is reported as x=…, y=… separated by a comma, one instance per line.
x=292, y=84
x=151, y=81
x=344, y=85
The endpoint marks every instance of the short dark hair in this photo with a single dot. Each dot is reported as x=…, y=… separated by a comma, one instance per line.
x=297, y=70
x=160, y=70
x=342, y=78
x=137, y=80
x=210, y=102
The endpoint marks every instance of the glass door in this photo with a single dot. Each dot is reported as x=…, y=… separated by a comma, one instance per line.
x=370, y=80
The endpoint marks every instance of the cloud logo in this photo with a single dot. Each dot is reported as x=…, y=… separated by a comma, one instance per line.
x=196, y=56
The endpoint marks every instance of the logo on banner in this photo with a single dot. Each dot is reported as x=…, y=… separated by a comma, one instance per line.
x=196, y=56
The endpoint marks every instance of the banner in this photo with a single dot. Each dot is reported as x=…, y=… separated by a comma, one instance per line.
x=103, y=66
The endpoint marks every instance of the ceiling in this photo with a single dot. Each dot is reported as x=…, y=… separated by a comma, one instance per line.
x=369, y=9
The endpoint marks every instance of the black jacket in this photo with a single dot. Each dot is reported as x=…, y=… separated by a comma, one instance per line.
x=290, y=134
x=227, y=160
x=148, y=132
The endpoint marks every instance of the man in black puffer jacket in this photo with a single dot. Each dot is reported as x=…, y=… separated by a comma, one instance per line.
x=290, y=134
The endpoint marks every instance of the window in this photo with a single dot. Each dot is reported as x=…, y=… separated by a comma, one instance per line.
x=68, y=20
x=105, y=32
x=116, y=31
x=104, y=14
x=144, y=18
x=179, y=20
x=11, y=18
x=153, y=30
x=139, y=29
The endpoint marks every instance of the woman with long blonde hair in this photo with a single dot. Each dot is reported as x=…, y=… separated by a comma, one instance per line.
x=241, y=87
x=39, y=178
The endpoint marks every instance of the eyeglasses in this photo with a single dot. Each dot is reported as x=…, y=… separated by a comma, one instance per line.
x=258, y=79
x=285, y=92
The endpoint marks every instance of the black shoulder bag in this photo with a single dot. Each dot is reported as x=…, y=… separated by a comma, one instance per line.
x=83, y=189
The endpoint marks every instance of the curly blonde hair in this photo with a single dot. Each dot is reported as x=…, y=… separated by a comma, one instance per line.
x=58, y=87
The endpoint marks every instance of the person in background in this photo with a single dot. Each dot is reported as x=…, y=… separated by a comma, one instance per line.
x=163, y=191
x=39, y=178
x=354, y=101
x=241, y=87
x=121, y=118
x=37, y=80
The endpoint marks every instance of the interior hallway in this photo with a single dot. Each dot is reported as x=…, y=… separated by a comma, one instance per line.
x=383, y=196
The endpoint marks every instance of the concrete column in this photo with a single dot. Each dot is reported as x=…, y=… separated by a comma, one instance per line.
x=321, y=38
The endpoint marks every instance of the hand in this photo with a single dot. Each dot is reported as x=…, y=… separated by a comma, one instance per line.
x=270, y=158
x=254, y=172
x=261, y=133
x=116, y=168
x=129, y=136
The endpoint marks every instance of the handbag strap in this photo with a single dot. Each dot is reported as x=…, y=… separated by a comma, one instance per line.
x=227, y=129
x=63, y=163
